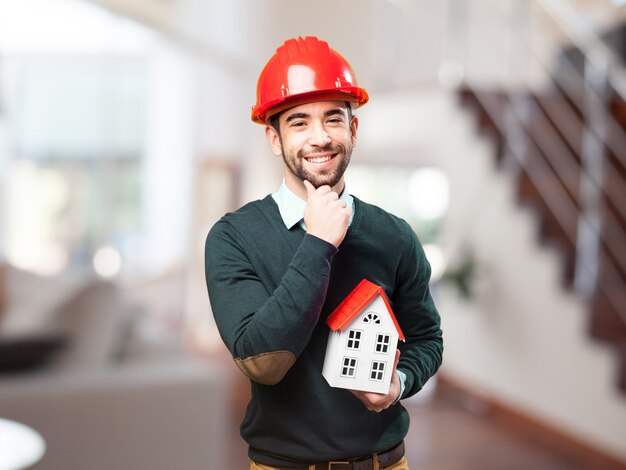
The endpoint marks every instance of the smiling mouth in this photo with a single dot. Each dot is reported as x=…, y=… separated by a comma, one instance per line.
x=323, y=159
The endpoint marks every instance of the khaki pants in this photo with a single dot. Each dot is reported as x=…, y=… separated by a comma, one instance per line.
x=402, y=464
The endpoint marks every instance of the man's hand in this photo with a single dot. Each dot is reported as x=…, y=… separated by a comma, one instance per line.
x=326, y=216
x=380, y=401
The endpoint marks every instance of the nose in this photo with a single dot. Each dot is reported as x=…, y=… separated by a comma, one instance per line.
x=319, y=136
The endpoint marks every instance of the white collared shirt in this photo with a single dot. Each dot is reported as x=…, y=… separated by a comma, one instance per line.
x=291, y=207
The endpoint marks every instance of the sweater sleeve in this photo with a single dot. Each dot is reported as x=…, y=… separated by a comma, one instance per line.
x=265, y=331
x=421, y=353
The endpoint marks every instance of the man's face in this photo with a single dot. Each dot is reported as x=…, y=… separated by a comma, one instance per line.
x=316, y=142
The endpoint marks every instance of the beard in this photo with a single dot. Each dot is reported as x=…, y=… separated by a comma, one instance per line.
x=328, y=177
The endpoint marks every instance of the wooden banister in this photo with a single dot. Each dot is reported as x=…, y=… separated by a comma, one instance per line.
x=549, y=176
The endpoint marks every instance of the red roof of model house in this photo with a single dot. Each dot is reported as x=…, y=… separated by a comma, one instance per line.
x=354, y=304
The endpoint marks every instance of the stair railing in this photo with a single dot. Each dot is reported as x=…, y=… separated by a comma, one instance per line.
x=603, y=72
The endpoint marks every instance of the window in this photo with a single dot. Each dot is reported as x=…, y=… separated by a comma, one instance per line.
x=76, y=133
x=378, y=371
x=61, y=211
x=349, y=367
x=354, y=339
x=371, y=317
x=382, y=343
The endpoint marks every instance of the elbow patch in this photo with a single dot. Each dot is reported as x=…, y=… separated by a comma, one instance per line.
x=267, y=368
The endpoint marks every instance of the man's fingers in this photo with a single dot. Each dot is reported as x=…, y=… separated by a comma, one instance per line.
x=325, y=215
x=370, y=400
x=310, y=189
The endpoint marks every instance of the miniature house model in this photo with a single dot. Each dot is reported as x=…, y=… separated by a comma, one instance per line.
x=362, y=341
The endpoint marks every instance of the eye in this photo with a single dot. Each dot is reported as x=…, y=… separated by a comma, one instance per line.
x=298, y=124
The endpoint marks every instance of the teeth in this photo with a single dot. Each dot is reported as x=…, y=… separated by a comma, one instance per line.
x=319, y=159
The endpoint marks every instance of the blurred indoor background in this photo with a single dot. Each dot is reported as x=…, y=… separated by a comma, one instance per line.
x=496, y=128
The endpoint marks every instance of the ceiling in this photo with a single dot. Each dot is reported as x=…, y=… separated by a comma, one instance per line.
x=393, y=44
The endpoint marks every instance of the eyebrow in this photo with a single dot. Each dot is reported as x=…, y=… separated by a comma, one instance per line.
x=334, y=112
x=330, y=112
x=293, y=116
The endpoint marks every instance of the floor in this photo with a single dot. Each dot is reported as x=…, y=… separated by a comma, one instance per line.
x=446, y=435
x=449, y=433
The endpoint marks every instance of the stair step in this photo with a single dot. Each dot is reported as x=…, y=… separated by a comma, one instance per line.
x=561, y=160
x=621, y=380
x=618, y=109
x=563, y=117
x=490, y=107
x=607, y=327
x=551, y=230
x=606, y=323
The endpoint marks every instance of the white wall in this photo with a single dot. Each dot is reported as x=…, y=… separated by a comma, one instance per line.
x=4, y=159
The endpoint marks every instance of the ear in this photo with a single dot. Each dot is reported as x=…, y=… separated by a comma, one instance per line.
x=274, y=140
x=354, y=126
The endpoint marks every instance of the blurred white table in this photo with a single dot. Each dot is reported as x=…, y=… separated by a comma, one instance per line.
x=20, y=446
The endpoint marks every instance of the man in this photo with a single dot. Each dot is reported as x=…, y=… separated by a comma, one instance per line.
x=276, y=269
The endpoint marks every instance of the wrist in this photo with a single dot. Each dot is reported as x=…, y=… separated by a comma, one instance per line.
x=402, y=380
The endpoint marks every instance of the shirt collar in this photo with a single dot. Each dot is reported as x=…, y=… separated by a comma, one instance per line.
x=291, y=207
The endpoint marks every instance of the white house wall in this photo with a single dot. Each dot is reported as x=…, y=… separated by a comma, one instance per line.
x=365, y=355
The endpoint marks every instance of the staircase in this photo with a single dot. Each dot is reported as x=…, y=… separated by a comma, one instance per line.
x=570, y=168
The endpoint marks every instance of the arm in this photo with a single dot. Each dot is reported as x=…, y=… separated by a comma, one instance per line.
x=420, y=356
x=265, y=331
x=421, y=353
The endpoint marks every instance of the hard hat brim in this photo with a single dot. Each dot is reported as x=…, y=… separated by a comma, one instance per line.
x=355, y=95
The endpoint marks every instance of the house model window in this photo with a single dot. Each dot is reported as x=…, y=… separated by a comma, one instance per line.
x=378, y=371
x=362, y=341
x=382, y=343
x=349, y=367
x=371, y=318
x=354, y=339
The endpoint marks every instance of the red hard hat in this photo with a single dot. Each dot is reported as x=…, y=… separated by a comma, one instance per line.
x=301, y=71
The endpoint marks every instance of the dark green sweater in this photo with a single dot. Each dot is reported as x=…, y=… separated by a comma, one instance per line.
x=271, y=290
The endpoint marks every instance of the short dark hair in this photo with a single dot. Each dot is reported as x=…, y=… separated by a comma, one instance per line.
x=275, y=122
x=275, y=118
